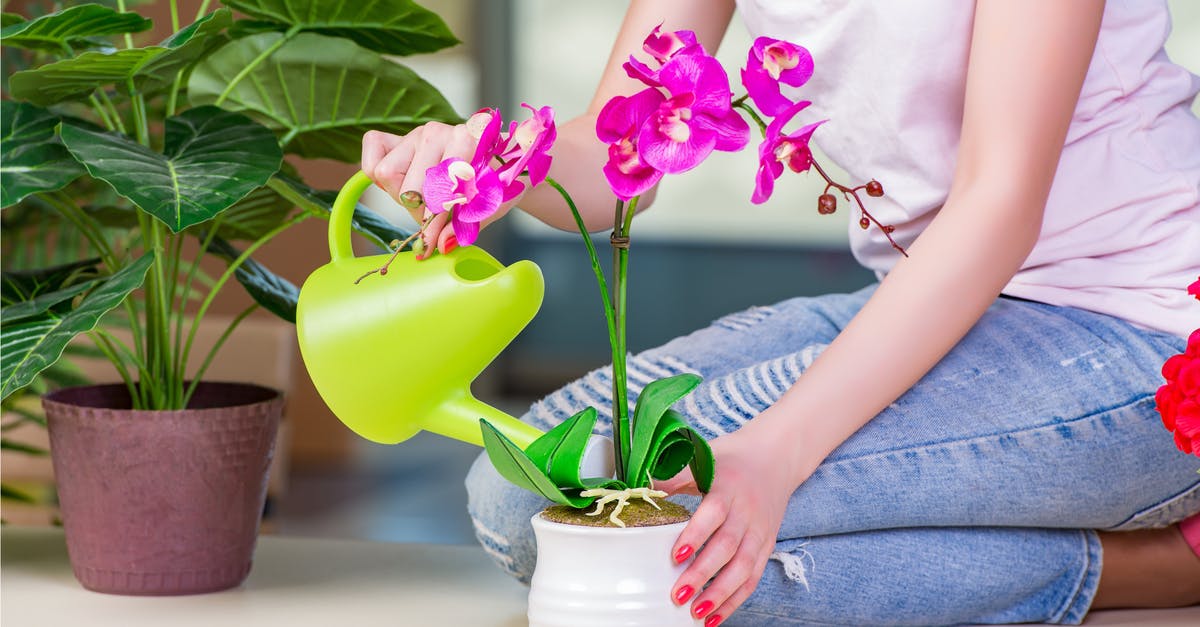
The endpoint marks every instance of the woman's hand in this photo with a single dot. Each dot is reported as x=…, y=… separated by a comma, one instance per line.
x=397, y=164
x=736, y=523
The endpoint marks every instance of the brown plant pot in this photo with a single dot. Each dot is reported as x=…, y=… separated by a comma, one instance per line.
x=162, y=502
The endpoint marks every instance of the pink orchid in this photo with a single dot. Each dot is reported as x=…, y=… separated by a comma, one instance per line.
x=619, y=125
x=470, y=192
x=663, y=47
x=695, y=120
x=769, y=63
x=778, y=149
x=526, y=148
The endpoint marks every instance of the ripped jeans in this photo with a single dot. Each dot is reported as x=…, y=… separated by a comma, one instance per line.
x=974, y=498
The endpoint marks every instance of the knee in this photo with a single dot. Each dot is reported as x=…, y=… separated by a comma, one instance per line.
x=500, y=514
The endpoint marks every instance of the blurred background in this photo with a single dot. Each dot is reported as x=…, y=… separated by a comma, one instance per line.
x=702, y=252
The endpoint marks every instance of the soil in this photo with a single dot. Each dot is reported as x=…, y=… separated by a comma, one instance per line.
x=637, y=513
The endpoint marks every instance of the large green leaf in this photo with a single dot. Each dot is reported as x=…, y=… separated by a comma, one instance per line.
x=212, y=159
x=399, y=27
x=321, y=93
x=73, y=27
x=275, y=293
x=32, y=159
x=148, y=68
x=512, y=464
x=44, y=302
x=33, y=344
x=254, y=215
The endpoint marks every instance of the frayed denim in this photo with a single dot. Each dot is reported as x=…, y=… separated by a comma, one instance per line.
x=974, y=498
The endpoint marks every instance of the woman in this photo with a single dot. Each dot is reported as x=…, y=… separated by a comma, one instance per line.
x=950, y=454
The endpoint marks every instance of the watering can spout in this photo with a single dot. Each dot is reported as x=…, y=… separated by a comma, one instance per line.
x=395, y=353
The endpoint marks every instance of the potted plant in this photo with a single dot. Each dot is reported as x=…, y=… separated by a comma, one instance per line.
x=603, y=544
x=149, y=152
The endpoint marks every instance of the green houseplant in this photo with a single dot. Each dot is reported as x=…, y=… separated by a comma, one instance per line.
x=148, y=152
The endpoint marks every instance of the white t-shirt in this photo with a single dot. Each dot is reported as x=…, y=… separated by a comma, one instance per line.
x=1121, y=233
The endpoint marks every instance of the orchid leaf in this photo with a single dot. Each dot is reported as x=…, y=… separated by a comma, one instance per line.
x=146, y=68
x=560, y=451
x=321, y=94
x=399, y=27
x=211, y=160
x=275, y=293
x=703, y=464
x=81, y=26
x=514, y=465
x=32, y=159
x=33, y=344
x=656, y=398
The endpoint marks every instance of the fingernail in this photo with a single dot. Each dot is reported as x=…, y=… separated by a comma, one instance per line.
x=683, y=553
x=702, y=609
x=712, y=621
x=451, y=243
x=683, y=594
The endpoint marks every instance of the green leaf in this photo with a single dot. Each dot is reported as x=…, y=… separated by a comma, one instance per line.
x=560, y=451
x=24, y=285
x=513, y=464
x=366, y=222
x=33, y=344
x=321, y=93
x=44, y=302
x=254, y=215
x=10, y=445
x=13, y=494
x=212, y=159
x=148, y=68
x=399, y=27
x=32, y=159
x=275, y=293
x=663, y=442
x=8, y=19
x=73, y=27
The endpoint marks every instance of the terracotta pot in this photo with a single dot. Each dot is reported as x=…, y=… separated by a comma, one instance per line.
x=601, y=576
x=162, y=502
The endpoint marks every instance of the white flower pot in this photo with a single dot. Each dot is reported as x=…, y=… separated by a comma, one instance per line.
x=605, y=576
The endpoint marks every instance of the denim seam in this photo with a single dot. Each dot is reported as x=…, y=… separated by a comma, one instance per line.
x=1186, y=493
x=946, y=443
x=1073, y=599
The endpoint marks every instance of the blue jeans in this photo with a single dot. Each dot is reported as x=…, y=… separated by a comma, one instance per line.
x=974, y=498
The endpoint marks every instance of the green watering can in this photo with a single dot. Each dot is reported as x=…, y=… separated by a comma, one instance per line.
x=396, y=353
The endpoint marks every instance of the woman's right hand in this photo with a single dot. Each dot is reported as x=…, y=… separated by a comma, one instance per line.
x=397, y=164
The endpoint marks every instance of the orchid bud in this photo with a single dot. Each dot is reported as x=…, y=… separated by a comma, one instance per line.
x=874, y=188
x=864, y=223
x=889, y=229
x=826, y=204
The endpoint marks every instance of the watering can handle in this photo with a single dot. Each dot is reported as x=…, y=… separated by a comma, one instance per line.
x=343, y=215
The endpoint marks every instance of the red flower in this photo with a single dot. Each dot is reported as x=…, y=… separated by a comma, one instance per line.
x=1178, y=401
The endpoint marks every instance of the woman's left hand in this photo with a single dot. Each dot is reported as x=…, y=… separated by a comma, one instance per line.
x=736, y=523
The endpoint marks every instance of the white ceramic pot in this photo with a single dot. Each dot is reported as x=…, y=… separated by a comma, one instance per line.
x=605, y=576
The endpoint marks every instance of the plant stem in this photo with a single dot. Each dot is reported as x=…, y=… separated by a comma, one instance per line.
x=174, y=17
x=291, y=32
x=233, y=266
x=180, y=365
x=620, y=401
x=187, y=397
x=203, y=10
x=609, y=316
x=101, y=113
x=116, y=115
x=762, y=126
x=110, y=353
x=128, y=37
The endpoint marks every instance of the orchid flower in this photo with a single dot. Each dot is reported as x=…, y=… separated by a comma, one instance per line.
x=769, y=63
x=526, y=148
x=469, y=191
x=778, y=149
x=696, y=119
x=619, y=125
x=663, y=47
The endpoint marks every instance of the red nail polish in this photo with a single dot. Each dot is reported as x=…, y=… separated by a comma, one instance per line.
x=712, y=621
x=702, y=609
x=451, y=243
x=683, y=553
x=683, y=594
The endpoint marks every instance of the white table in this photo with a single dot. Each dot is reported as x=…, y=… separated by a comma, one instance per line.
x=295, y=582
x=303, y=582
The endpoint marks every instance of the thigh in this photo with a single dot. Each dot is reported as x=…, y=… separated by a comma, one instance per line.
x=1042, y=416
